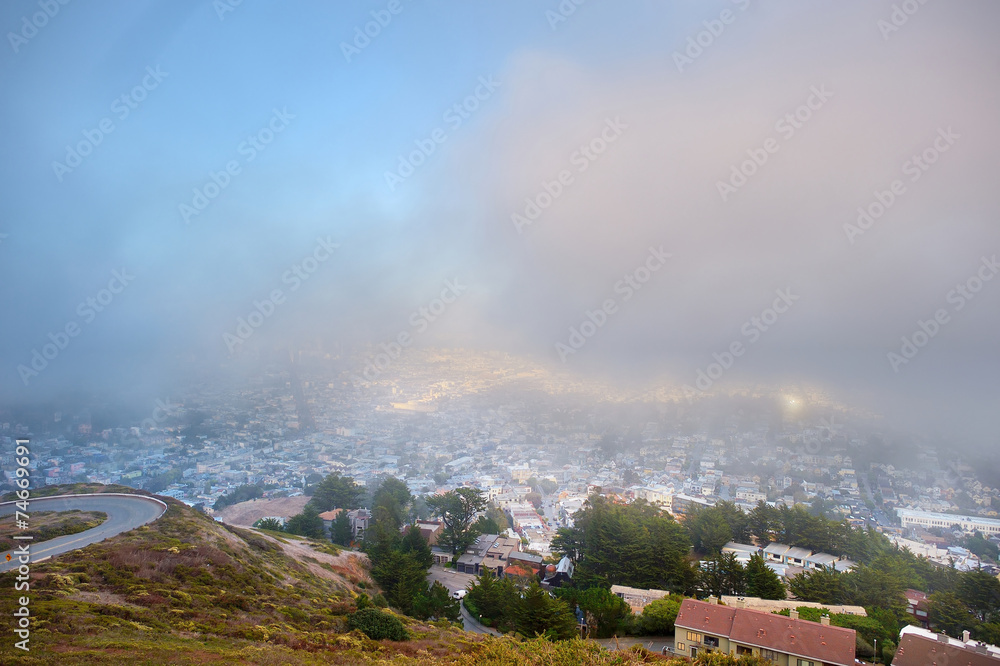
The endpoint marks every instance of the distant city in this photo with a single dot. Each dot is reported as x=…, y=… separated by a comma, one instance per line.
x=443, y=419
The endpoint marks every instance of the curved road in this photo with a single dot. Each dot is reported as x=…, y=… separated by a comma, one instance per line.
x=125, y=512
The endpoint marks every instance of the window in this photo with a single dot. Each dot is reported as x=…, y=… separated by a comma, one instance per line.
x=680, y=647
x=769, y=654
x=694, y=637
x=805, y=662
x=711, y=641
x=740, y=649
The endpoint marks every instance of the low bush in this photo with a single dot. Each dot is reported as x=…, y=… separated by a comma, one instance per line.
x=378, y=625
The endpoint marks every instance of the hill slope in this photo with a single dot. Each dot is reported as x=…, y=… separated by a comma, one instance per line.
x=187, y=589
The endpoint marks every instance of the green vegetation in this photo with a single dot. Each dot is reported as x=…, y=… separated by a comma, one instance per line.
x=658, y=617
x=529, y=611
x=336, y=492
x=377, y=624
x=400, y=561
x=271, y=524
x=457, y=508
x=340, y=532
x=239, y=494
x=627, y=544
x=307, y=524
x=45, y=525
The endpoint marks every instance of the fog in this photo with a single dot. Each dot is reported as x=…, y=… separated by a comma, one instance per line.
x=586, y=146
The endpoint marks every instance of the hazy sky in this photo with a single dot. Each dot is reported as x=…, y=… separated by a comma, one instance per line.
x=627, y=123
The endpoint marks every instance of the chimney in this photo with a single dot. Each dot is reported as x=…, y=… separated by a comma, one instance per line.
x=966, y=636
x=713, y=600
x=825, y=620
x=794, y=614
x=741, y=603
x=943, y=637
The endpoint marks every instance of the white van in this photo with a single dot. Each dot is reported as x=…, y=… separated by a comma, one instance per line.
x=459, y=594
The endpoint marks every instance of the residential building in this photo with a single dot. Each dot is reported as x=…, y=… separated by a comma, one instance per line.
x=920, y=647
x=710, y=627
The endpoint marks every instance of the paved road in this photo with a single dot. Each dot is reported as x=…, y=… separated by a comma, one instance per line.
x=125, y=512
x=450, y=578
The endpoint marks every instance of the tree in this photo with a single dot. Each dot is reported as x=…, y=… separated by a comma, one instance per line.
x=606, y=613
x=823, y=586
x=415, y=544
x=272, y=524
x=457, y=508
x=658, y=617
x=377, y=625
x=394, y=497
x=761, y=523
x=949, y=614
x=336, y=492
x=980, y=592
x=633, y=544
x=762, y=581
x=722, y=575
x=534, y=499
x=437, y=602
x=235, y=496
x=307, y=524
x=538, y=614
x=341, y=532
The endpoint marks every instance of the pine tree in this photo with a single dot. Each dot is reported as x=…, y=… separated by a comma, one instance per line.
x=762, y=581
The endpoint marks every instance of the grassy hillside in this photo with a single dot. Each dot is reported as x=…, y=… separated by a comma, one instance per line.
x=186, y=589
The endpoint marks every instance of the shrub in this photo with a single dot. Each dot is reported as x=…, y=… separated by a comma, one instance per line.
x=378, y=625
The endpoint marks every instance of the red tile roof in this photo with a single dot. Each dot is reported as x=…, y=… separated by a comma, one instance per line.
x=811, y=640
x=708, y=618
x=916, y=650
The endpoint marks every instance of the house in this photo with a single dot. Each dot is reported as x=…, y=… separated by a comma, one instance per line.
x=490, y=551
x=328, y=517
x=555, y=575
x=359, y=522
x=636, y=598
x=819, y=561
x=916, y=606
x=919, y=647
x=775, y=552
x=707, y=626
x=797, y=556
x=742, y=551
x=430, y=530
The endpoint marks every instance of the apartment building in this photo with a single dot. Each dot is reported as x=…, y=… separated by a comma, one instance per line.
x=707, y=626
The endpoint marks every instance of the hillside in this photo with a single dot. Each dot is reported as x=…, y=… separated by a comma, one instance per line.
x=187, y=589
x=249, y=512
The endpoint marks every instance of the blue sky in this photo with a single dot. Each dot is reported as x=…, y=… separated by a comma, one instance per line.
x=323, y=175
